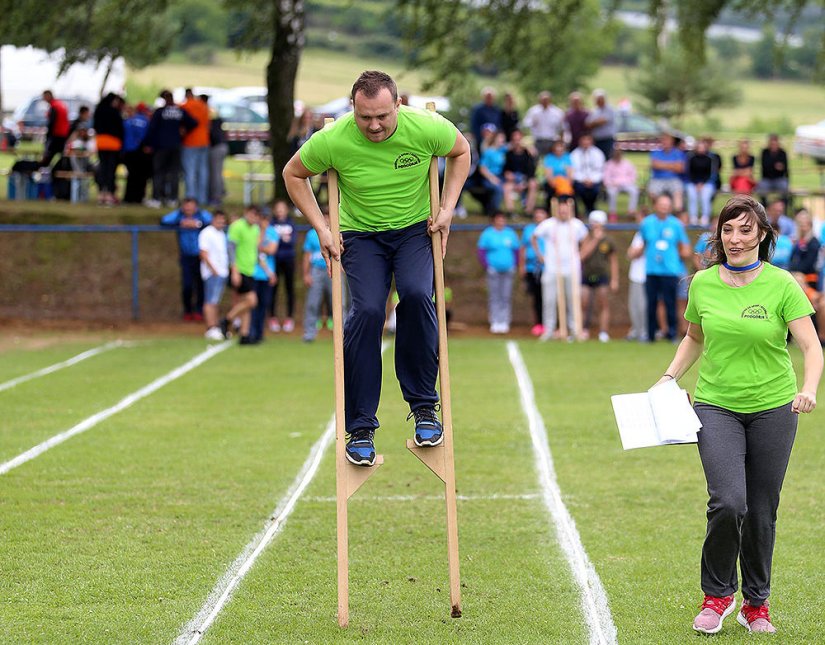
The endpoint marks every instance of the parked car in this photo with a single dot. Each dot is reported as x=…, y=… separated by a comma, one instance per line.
x=31, y=118
x=810, y=140
x=242, y=124
x=637, y=133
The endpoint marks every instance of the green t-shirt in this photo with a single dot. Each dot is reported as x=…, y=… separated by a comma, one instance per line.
x=246, y=237
x=383, y=186
x=745, y=363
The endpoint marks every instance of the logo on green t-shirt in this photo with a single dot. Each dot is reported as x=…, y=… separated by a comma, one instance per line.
x=757, y=312
x=407, y=160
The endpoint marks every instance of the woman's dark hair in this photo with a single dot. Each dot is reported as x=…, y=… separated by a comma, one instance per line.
x=737, y=206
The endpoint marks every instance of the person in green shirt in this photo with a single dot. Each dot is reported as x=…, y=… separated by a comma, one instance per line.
x=739, y=312
x=244, y=237
x=382, y=153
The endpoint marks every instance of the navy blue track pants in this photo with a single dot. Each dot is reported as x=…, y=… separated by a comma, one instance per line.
x=370, y=261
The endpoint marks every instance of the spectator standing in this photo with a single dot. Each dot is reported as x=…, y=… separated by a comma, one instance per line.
x=530, y=269
x=188, y=220
x=163, y=141
x=57, y=128
x=138, y=162
x=285, y=266
x=602, y=124
x=84, y=116
x=575, y=120
x=316, y=280
x=667, y=166
x=491, y=169
x=775, y=176
x=244, y=237
x=300, y=130
x=214, y=257
x=520, y=174
x=509, y=116
x=600, y=273
x=588, y=171
x=265, y=278
x=700, y=185
x=805, y=254
x=741, y=179
x=560, y=237
x=620, y=176
x=636, y=292
x=558, y=172
x=195, y=149
x=546, y=123
x=486, y=112
x=778, y=219
x=665, y=243
x=109, y=132
x=498, y=253
x=716, y=163
x=218, y=150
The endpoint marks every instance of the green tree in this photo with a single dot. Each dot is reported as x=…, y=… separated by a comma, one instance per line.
x=677, y=85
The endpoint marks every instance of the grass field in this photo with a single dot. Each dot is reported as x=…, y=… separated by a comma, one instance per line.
x=119, y=534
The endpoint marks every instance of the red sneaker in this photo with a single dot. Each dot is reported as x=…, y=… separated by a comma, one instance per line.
x=714, y=611
x=755, y=619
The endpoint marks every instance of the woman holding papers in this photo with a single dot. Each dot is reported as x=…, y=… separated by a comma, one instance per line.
x=739, y=311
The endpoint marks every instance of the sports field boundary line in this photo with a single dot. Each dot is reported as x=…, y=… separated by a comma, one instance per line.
x=51, y=369
x=600, y=625
x=127, y=401
x=221, y=593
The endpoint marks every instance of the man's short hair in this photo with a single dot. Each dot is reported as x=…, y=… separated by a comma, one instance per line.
x=371, y=82
x=190, y=198
x=252, y=208
x=166, y=95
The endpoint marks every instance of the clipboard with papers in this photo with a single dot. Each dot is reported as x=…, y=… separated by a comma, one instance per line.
x=661, y=416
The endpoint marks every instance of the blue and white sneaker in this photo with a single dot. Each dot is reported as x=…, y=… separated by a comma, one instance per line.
x=428, y=430
x=360, y=450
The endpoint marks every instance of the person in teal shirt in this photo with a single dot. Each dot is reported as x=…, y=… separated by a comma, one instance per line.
x=316, y=281
x=530, y=269
x=498, y=249
x=381, y=152
x=740, y=310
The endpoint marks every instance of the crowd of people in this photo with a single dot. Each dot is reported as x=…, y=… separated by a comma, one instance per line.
x=574, y=153
x=162, y=145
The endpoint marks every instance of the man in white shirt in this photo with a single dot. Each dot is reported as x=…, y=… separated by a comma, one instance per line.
x=546, y=123
x=588, y=171
x=214, y=271
x=562, y=236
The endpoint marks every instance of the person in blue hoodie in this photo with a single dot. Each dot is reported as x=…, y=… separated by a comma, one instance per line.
x=189, y=220
x=138, y=162
x=164, y=140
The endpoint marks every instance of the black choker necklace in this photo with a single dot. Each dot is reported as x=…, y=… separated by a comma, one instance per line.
x=749, y=267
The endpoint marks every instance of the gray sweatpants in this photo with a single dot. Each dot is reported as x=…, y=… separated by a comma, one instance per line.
x=500, y=296
x=745, y=457
x=637, y=308
x=319, y=290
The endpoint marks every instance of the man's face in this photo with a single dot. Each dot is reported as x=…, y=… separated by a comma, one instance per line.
x=565, y=210
x=662, y=206
x=544, y=100
x=251, y=217
x=281, y=211
x=667, y=141
x=515, y=139
x=189, y=208
x=219, y=222
x=489, y=98
x=775, y=209
x=376, y=117
x=585, y=142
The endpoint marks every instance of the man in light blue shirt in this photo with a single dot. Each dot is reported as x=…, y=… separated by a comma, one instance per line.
x=665, y=245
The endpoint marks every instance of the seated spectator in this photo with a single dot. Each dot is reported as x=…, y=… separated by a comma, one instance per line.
x=700, y=185
x=475, y=184
x=520, y=174
x=600, y=272
x=558, y=172
x=777, y=218
x=741, y=178
x=620, y=177
x=805, y=253
x=84, y=116
x=588, y=170
x=774, y=169
x=491, y=167
x=667, y=165
x=498, y=253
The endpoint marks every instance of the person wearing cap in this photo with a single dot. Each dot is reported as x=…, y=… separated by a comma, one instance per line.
x=138, y=162
x=486, y=112
x=602, y=123
x=546, y=123
x=600, y=272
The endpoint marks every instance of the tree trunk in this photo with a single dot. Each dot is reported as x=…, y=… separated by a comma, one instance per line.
x=287, y=45
x=108, y=73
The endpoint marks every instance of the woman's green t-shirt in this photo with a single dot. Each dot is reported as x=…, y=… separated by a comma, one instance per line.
x=745, y=363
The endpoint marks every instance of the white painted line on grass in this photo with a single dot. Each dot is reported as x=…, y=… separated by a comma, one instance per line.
x=194, y=630
x=596, y=611
x=59, y=366
x=124, y=403
x=433, y=498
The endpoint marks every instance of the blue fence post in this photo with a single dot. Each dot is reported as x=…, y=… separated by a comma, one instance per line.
x=135, y=295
